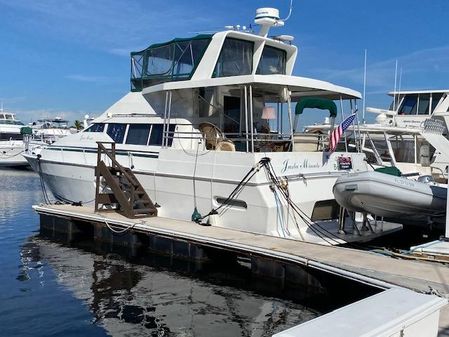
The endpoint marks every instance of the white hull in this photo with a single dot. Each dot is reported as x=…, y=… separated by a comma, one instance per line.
x=390, y=196
x=11, y=154
x=171, y=185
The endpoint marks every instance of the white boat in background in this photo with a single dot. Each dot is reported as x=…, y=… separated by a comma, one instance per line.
x=386, y=192
x=50, y=129
x=395, y=138
x=210, y=136
x=11, y=144
x=16, y=137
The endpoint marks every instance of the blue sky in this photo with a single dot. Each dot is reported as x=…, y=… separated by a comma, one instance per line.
x=72, y=57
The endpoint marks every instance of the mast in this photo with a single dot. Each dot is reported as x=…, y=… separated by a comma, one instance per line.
x=364, y=89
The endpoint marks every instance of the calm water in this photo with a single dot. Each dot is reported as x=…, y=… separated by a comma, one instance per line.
x=48, y=289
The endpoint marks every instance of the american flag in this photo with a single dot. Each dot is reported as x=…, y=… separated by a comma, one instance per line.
x=338, y=131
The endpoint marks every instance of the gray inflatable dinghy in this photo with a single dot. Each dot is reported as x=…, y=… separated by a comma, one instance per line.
x=390, y=196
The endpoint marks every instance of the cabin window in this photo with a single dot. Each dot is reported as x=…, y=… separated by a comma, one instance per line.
x=272, y=61
x=435, y=100
x=408, y=106
x=117, y=132
x=157, y=134
x=97, y=127
x=236, y=58
x=138, y=134
x=423, y=104
x=325, y=210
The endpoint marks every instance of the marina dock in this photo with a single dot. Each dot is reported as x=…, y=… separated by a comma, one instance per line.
x=186, y=238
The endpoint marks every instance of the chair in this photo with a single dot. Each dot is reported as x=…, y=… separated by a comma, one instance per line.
x=225, y=145
x=212, y=135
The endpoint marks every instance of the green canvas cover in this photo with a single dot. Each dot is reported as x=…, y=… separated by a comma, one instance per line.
x=316, y=103
x=391, y=170
x=26, y=130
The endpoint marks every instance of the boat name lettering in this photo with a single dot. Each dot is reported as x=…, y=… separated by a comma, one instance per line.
x=85, y=136
x=287, y=165
x=404, y=182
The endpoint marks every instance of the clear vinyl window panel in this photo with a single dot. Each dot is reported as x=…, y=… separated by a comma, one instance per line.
x=273, y=61
x=173, y=61
x=236, y=58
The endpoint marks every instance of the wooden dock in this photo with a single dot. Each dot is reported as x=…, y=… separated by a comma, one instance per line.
x=362, y=266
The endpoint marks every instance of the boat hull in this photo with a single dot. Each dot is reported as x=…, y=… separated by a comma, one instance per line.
x=11, y=154
x=171, y=181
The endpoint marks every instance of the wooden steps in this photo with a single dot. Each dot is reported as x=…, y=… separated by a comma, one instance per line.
x=121, y=190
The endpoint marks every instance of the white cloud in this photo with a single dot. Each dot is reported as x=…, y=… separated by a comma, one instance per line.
x=380, y=74
x=108, y=25
x=86, y=78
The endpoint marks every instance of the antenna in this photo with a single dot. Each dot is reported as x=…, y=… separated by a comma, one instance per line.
x=395, y=80
x=289, y=12
x=364, y=89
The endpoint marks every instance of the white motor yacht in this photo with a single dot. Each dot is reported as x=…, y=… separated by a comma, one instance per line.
x=50, y=129
x=11, y=144
x=207, y=130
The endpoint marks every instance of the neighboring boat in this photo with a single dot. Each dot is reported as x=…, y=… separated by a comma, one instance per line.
x=11, y=144
x=11, y=153
x=395, y=138
x=206, y=114
x=50, y=129
x=16, y=138
x=10, y=126
x=392, y=196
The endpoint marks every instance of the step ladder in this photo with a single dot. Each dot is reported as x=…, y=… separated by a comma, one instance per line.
x=120, y=191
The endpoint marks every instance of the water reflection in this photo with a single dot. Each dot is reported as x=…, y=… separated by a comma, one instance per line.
x=128, y=299
x=19, y=189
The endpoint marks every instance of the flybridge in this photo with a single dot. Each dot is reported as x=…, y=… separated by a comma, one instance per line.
x=223, y=54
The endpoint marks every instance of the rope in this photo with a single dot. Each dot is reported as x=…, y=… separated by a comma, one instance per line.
x=321, y=232
x=225, y=204
x=4, y=156
x=116, y=231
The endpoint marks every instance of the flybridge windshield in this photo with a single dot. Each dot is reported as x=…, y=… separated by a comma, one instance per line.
x=418, y=104
x=172, y=61
x=272, y=62
x=236, y=58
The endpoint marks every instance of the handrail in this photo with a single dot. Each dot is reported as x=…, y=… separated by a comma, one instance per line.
x=111, y=156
